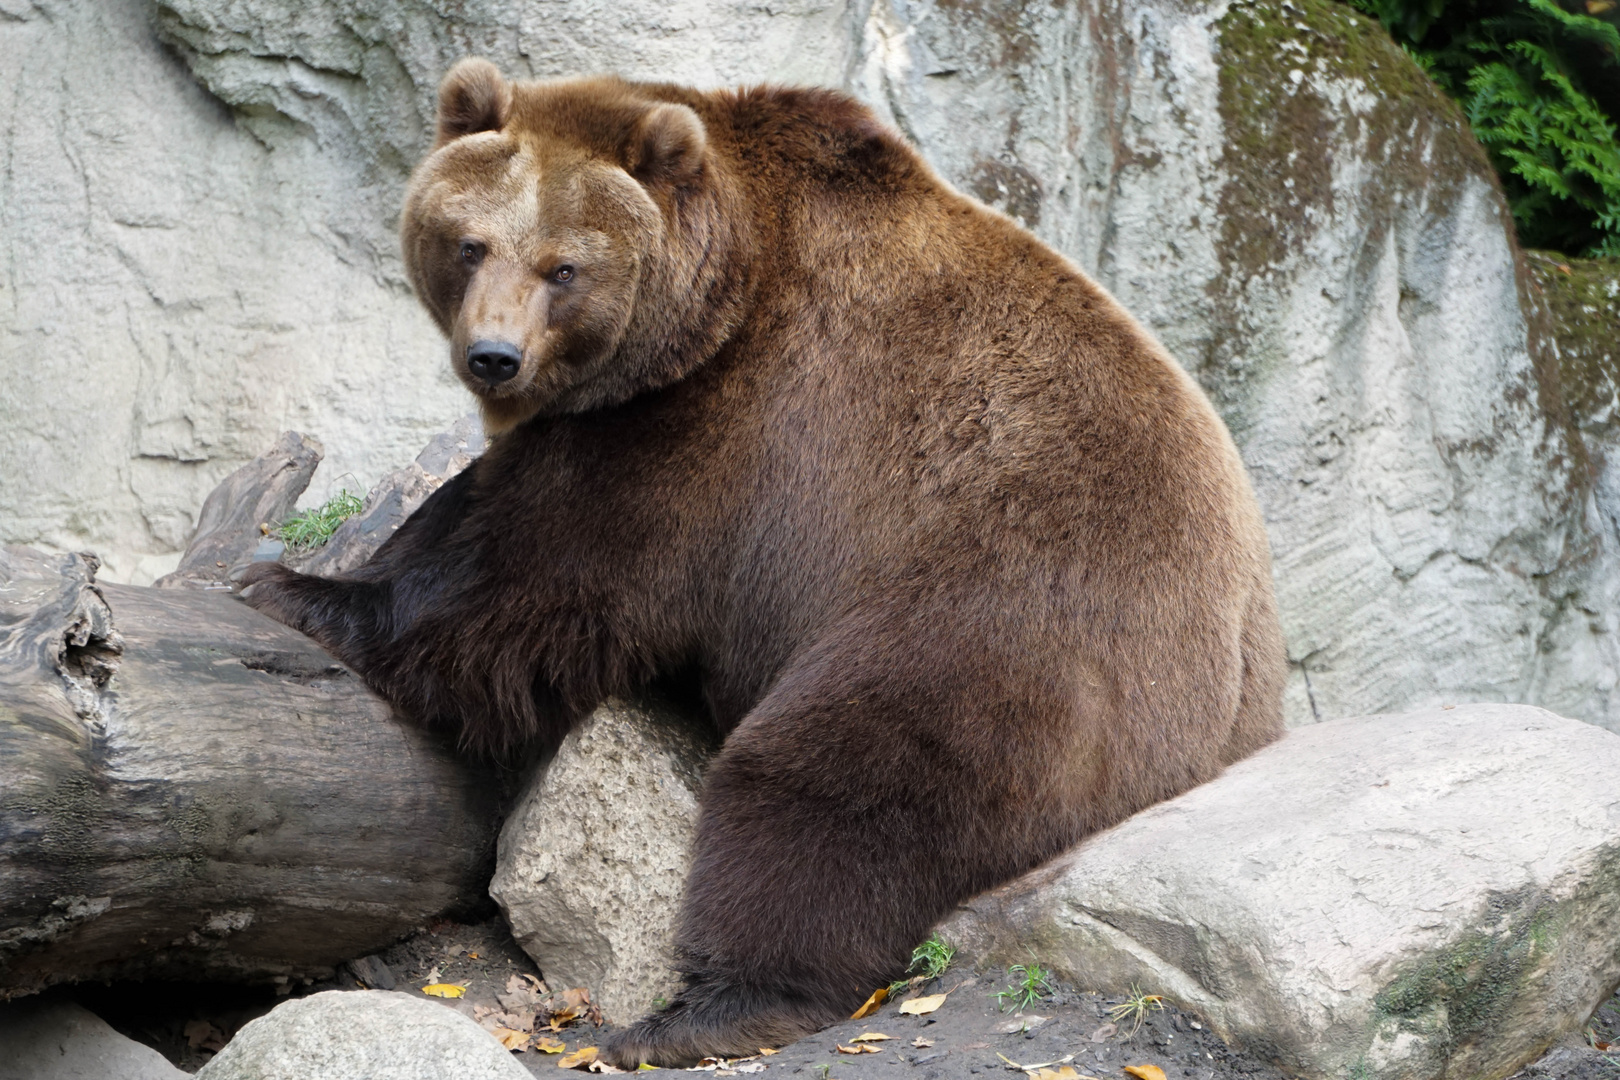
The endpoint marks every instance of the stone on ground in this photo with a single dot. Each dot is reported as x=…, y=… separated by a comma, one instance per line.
x=1425, y=895
x=375, y=1034
x=592, y=863
x=59, y=1040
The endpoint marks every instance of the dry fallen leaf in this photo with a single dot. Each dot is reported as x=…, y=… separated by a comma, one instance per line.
x=444, y=990
x=871, y=1036
x=878, y=997
x=922, y=1044
x=571, y=1005
x=922, y=1006
x=550, y=1045
x=583, y=1056
x=767, y=1052
x=859, y=1048
x=1067, y=1072
x=1145, y=1072
x=511, y=1038
x=604, y=1067
x=201, y=1035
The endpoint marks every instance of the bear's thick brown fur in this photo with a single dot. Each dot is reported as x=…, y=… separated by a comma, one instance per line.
x=967, y=566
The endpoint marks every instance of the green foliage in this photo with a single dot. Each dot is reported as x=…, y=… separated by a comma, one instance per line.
x=1540, y=83
x=1029, y=982
x=931, y=958
x=928, y=961
x=312, y=528
x=1135, y=1008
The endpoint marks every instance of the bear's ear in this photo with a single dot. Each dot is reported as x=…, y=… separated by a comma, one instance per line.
x=667, y=146
x=472, y=97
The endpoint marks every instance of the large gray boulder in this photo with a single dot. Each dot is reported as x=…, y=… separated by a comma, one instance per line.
x=591, y=863
x=375, y=1034
x=59, y=1040
x=1426, y=895
x=1276, y=192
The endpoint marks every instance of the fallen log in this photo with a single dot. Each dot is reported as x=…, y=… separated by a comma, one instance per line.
x=191, y=790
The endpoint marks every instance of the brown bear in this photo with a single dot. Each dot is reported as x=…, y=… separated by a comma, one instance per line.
x=965, y=565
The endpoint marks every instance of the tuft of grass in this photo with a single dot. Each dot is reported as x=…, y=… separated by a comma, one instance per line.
x=312, y=528
x=1029, y=983
x=1135, y=1009
x=929, y=960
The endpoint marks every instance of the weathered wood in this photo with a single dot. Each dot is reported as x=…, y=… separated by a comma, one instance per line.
x=189, y=789
x=231, y=523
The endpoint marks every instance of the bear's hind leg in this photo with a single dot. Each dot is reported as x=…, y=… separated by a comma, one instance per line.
x=838, y=826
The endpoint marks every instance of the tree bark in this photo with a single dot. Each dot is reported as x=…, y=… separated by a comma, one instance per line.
x=191, y=790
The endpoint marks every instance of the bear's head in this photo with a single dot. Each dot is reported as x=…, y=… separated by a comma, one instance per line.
x=572, y=239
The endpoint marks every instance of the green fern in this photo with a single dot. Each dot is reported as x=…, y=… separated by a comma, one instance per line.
x=1540, y=84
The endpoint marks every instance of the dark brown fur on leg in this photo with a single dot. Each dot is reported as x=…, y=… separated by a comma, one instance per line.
x=711, y=1018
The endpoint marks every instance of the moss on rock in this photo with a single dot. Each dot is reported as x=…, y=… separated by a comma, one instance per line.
x=1300, y=80
x=1577, y=305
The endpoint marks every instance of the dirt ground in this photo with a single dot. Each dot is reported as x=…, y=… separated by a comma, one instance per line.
x=978, y=1032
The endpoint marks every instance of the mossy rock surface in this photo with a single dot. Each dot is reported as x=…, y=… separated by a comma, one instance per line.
x=1577, y=303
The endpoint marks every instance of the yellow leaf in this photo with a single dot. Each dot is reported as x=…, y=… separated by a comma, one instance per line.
x=549, y=1045
x=871, y=1036
x=922, y=1006
x=473, y=956
x=859, y=1048
x=1145, y=1072
x=511, y=1038
x=444, y=990
x=768, y=1052
x=873, y=1003
x=644, y=1067
x=584, y=1056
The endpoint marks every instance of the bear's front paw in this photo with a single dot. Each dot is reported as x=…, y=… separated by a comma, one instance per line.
x=267, y=587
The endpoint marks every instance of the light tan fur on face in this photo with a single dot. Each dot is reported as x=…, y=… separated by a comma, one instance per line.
x=534, y=207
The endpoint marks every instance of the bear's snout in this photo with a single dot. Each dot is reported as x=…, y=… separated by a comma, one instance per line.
x=494, y=361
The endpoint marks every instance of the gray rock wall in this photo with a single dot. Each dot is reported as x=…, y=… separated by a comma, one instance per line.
x=205, y=258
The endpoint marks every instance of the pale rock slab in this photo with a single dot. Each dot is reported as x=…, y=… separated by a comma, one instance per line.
x=1425, y=895
x=46, y=1040
x=375, y=1034
x=591, y=864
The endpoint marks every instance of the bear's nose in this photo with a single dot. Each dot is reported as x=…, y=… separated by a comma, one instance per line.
x=494, y=361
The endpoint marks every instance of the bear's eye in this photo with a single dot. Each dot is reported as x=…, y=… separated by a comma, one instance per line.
x=563, y=273
x=472, y=252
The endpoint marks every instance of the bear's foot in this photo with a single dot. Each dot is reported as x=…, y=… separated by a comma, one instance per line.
x=714, y=1021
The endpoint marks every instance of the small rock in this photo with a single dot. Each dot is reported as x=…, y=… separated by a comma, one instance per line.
x=59, y=1040
x=592, y=863
x=373, y=972
x=374, y=1034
